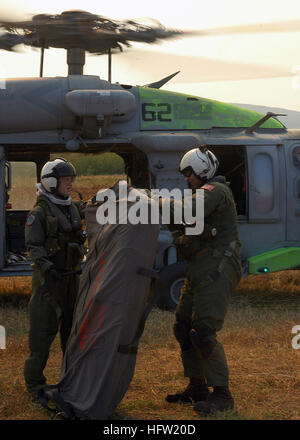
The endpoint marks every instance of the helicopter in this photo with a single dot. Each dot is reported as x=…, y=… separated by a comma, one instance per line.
x=150, y=129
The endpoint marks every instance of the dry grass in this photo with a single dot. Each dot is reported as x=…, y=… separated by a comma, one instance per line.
x=264, y=368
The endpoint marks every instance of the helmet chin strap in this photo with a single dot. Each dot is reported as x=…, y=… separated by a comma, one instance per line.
x=203, y=180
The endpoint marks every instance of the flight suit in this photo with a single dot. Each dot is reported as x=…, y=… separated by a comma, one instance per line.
x=213, y=271
x=54, y=239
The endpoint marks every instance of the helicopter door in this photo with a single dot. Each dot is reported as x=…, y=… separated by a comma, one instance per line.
x=293, y=193
x=2, y=206
x=266, y=181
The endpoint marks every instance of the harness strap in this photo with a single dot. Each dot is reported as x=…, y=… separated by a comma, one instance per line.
x=127, y=349
x=43, y=204
x=228, y=253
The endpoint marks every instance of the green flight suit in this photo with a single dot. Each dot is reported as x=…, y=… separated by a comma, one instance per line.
x=53, y=241
x=213, y=271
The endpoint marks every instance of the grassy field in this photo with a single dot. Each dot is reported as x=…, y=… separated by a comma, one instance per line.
x=264, y=368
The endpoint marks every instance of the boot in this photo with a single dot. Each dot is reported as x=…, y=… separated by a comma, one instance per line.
x=219, y=400
x=196, y=391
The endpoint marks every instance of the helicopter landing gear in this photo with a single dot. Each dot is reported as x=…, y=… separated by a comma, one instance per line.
x=172, y=280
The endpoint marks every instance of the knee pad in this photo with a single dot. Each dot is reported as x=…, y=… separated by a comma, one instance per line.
x=203, y=339
x=182, y=334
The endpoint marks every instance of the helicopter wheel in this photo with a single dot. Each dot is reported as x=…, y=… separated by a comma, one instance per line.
x=172, y=280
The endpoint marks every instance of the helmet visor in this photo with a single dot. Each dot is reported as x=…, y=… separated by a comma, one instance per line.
x=63, y=169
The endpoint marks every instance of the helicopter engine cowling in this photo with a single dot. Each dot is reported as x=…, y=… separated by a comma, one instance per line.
x=108, y=103
x=98, y=107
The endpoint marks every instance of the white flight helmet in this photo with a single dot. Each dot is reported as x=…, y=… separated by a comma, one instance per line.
x=53, y=170
x=202, y=162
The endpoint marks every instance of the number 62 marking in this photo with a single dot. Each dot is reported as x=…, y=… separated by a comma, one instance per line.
x=151, y=112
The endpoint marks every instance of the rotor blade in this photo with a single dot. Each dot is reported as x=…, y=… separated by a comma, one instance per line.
x=94, y=33
x=279, y=26
x=192, y=69
x=9, y=41
x=47, y=19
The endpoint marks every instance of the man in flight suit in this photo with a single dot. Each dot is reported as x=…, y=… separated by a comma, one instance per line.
x=54, y=239
x=213, y=271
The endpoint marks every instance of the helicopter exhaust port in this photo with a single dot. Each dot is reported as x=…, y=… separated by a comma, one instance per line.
x=98, y=107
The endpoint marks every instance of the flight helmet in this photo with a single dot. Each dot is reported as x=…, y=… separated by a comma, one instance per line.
x=201, y=161
x=53, y=170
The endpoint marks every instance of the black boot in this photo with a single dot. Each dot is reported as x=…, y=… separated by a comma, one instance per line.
x=220, y=400
x=196, y=391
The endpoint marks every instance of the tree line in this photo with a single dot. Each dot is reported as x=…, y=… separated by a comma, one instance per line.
x=86, y=165
x=92, y=164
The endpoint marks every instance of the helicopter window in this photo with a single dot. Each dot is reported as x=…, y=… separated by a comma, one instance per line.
x=264, y=183
x=20, y=198
x=22, y=195
x=296, y=157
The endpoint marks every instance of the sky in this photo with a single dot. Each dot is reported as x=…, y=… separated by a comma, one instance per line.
x=210, y=66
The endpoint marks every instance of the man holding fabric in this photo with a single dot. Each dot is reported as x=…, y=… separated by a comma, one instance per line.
x=213, y=271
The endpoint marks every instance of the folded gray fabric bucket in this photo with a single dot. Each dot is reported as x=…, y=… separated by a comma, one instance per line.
x=99, y=362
